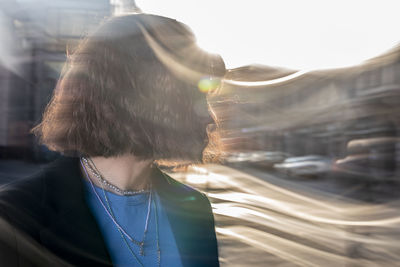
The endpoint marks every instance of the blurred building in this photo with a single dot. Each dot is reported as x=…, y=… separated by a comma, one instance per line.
x=35, y=37
x=320, y=112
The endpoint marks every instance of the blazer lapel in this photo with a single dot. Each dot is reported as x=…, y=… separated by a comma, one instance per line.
x=185, y=214
x=72, y=232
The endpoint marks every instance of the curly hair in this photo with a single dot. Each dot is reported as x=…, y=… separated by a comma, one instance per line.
x=131, y=87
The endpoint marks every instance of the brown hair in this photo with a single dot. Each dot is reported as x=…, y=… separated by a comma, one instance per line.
x=131, y=87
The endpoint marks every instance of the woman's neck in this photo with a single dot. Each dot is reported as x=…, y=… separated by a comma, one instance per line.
x=126, y=172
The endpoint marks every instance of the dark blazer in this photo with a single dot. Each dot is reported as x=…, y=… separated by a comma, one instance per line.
x=46, y=221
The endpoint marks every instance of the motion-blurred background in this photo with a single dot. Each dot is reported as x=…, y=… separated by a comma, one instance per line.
x=311, y=168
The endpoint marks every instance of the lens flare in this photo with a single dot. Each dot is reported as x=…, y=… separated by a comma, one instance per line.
x=208, y=84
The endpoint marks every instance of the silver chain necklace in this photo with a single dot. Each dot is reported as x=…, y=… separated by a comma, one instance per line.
x=107, y=183
x=110, y=213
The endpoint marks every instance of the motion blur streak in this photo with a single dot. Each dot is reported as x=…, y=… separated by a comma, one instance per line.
x=173, y=64
x=269, y=82
x=284, y=223
x=167, y=58
x=296, y=253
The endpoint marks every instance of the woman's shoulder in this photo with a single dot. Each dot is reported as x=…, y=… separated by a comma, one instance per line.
x=24, y=190
x=29, y=195
x=33, y=185
x=21, y=203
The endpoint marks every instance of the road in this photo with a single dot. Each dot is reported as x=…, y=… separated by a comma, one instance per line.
x=266, y=219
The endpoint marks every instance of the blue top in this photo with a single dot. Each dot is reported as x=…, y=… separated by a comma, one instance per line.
x=130, y=213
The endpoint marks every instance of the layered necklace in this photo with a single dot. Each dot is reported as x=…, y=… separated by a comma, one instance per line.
x=89, y=164
x=92, y=168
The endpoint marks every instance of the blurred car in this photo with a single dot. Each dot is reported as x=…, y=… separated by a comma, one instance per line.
x=381, y=166
x=257, y=158
x=237, y=157
x=311, y=165
x=366, y=145
x=375, y=157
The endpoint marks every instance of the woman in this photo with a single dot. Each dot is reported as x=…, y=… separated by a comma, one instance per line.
x=127, y=98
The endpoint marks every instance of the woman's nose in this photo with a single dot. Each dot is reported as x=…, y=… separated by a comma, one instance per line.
x=208, y=118
x=211, y=127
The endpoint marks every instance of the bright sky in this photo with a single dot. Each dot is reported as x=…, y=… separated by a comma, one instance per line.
x=299, y=34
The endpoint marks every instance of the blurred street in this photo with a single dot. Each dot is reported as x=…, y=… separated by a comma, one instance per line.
x=264, y=219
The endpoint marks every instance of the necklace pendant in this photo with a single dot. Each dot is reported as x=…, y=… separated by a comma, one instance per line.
x=141, y=250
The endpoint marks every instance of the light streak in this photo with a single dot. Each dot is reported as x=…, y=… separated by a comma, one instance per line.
x=268, y=82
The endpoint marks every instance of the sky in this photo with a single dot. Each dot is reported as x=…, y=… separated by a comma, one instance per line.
x=296, y=34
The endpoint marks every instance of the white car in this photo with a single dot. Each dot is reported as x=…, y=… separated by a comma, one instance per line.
x=257, y=157
x=305, y=166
